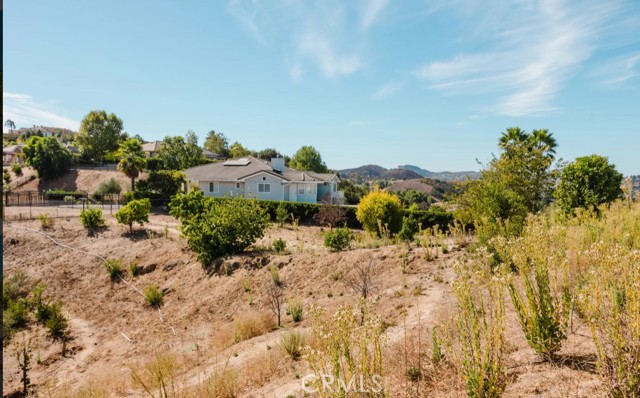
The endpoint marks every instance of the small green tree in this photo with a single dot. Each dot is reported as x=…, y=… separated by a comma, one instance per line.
x=308, y=158
x=380, y=209
x=109, y=187
x=180, y=153
x=216, y=227
x=92, y=219
x=134, y=211
x=100, y=133
x=588, y=182
x=48, y=158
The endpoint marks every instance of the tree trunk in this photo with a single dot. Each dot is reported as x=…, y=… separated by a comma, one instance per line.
x=133, y=182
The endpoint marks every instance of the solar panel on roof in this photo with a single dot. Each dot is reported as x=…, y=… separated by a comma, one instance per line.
x=237, y=162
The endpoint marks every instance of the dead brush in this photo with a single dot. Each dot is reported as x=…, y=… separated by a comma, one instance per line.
x=251, y=324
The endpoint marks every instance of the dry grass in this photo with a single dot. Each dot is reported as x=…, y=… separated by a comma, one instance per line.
x=252, y=324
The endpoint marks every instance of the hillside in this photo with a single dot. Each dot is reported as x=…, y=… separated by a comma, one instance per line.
x=113, y=332
x=375, y=172
x=442, y=175
x=79, y=180
x=436, y=188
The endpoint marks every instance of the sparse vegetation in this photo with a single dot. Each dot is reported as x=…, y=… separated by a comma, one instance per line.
x=46, y=221
x=279, y=245
x=294, y=309
x=292, y=343
x=114, y=268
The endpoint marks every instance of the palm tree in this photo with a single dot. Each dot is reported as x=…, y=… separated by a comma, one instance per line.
x=543, y=139
x=132, y=160
x=10, y=125
x=513, y=137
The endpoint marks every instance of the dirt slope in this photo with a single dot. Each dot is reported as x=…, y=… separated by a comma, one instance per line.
x=80, y=180
x=112, y=328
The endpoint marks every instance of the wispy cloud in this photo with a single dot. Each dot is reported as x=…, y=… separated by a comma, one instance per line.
x=372, y=11
x=387, y=90
x=25, y=112
x=533, y=53
x=315, y=32
x=618, y=71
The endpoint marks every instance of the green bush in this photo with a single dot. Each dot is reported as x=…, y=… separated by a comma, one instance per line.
x=295, y=310
x=60, y=194
x=56, y=322
x=114, y=268
x=292, y=343
x=281, y=214
x=159, y=185
x=409, y=228
x=15, y=316
x=45, y=221
x=279, y=245
x=110, y=187
x=380, y=209
x=134, y=211
x=134, y=270
x=217, y=228
x=338, y=239
x=92, y=219
x=153, y=295
x=15, y=286
x=17, y=169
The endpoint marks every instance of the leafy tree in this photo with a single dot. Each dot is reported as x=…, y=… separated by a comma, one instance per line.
x=161, y=184
x=380, y=209
x=216, y=227
x=134, y=211
x=308, y=159
x=110, y=187
x=46, y=156
x=352, y=192
x=588, y=182
x=132, y=160
x=178, y=153
x=268, y=154
x=238, y=151
x=10, y=125
x=100, y=133
x=519, y=182
x=218, y=143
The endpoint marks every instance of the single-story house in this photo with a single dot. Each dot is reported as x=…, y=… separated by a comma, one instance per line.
x=11, y=154
x=257, y=178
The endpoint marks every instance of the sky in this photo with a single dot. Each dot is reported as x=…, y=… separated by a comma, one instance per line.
x=429, y=83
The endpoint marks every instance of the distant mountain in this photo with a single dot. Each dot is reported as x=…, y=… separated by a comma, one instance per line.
x=375, y=172
x=442, y=175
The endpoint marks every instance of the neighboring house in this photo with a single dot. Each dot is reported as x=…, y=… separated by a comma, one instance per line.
x=151, y=148
x=211, y=155
x=47, y=134
x=12, y=154
x=253, y=177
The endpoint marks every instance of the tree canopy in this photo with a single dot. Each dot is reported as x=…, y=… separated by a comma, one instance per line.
x=46, y=156
x=588, y=182
x=237, y=150
x=100, y=133
x=218, y=143
x=308, y=159
x=178, y=153
x=132, y=160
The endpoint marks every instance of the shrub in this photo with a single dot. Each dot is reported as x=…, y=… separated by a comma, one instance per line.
x=92, y=219
x=45, y=221
x=134, y=269
x=330, y=216
x=134, y=211
x=110, y=187
x=14, y=287
x=275, y=275
x=47, y=156
x=56, y=322
x=295, y=310
x=281, y=214
x=6, y=178
x=61, y=194
x=338, y=239
x=15, y=316
x=153, y=295
x=409, y=228
x=279, y=245
x=380, y=209
x=114, y=268
x=292, y=343
x=17, y=169
x=216, y=228
x=251, y=324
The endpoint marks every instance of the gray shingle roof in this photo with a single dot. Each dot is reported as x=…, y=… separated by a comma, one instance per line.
x=225, y=171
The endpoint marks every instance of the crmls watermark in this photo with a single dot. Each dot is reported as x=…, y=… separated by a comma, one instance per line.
x=328, y=383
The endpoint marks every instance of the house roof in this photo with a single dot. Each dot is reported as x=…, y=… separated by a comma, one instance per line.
x=152, y=146
x=11, y=149
x=209, y=154
x=238, y=169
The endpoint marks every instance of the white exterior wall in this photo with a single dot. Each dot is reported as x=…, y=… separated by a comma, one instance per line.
x=312, y=198
x=224, y=189
x=277, y=187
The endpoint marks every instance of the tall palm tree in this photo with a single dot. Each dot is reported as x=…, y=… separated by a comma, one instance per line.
x=132, y=160
x=10, y=125
x=542, y=138
x=512, y=137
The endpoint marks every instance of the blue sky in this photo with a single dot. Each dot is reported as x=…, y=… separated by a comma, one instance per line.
x=430, y=83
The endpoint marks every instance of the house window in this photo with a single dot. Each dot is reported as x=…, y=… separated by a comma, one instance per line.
x=305, y=189
x=214, y=187
x=334, y=187
x=264, y=188
x=237, y=185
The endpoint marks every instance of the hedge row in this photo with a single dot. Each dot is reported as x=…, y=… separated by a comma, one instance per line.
x=60, y=194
